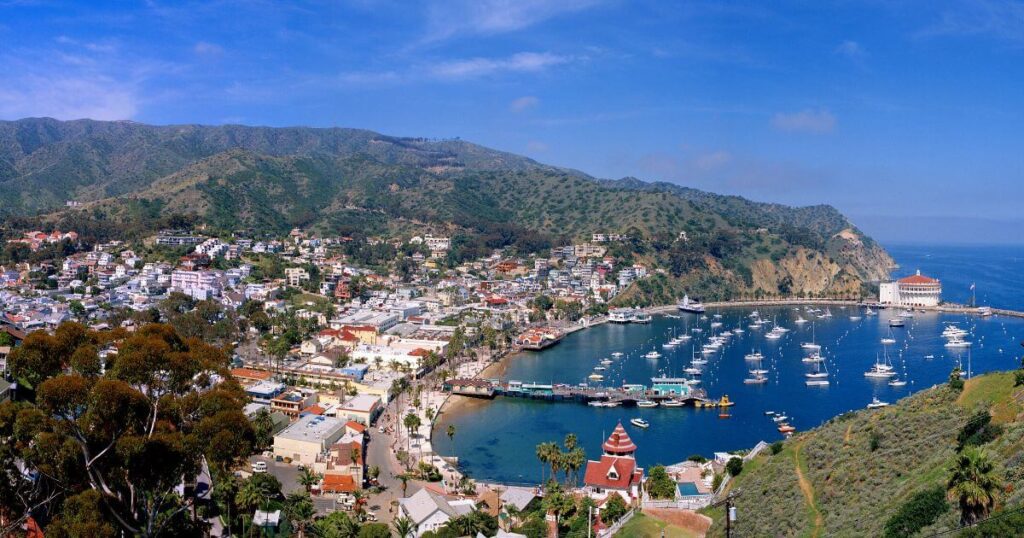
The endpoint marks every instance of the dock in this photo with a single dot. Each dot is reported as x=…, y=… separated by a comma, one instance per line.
x=627, y=395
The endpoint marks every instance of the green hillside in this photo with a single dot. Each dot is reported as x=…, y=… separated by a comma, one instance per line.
x=852, y=475
x=135, y=178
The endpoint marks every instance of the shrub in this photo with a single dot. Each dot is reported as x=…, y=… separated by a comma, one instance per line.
x=776, y=447
x=734, y=466
x=920, y=511
x=1018, y=378
x=614, y=509
x=978, y=430
x=875, y=440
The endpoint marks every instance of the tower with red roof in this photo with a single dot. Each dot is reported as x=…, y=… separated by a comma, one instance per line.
x=616, y=472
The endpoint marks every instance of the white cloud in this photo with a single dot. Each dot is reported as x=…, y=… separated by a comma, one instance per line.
x=805, y=121
x=851, y=49
x=536, y=146
x=522, y=62
x=712, y=160
x=524, y=103
x=68, y=98
x=447, y=18
x=205, y=48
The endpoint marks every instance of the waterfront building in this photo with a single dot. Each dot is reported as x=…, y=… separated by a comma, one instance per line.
x=616, y=472
x=670, y=386
x=914, y=290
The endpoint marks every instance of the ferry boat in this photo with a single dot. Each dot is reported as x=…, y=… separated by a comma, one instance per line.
x=877, y=404
x=646, y=404
x=640, y=423
x=694, y=307
x=897, y=322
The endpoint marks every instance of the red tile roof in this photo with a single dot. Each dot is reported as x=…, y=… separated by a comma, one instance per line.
x=353, y=425
x=619, y=442
x=918, y=279
x=249, y=373
x=599, y=473
x=337, y=483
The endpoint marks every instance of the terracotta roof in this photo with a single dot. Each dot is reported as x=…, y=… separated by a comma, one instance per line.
x=314, y=409
x=619, y=442
x=353, y=425
x=249, y=373
x=336, y=483
x=611, y=473
x=918, y=279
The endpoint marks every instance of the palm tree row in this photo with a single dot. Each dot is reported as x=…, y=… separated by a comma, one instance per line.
x=571, y=460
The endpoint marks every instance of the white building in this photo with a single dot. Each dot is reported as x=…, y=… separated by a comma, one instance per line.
x=429, y=511
x=199, y=285
x=309, y=437
x=914, y=290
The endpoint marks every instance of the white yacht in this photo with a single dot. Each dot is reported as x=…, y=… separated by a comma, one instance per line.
x=652, y=355
x=876, y=403
x=646, y=404
x=958, y=342
x=694, y=307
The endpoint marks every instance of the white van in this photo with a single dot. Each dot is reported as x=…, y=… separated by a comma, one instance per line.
x=259, y=467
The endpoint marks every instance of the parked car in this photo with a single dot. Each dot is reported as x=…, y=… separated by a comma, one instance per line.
x=259, y=467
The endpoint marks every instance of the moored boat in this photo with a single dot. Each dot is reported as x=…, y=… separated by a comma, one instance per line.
x=640, y=423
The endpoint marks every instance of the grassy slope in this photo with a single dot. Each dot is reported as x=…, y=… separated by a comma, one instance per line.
x=855, y=490
x=642, y=525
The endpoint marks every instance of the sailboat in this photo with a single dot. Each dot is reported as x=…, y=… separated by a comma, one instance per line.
x=889, y=339
x=811, y=346
x=880, y=369
x=757, y=375
x=817, y=378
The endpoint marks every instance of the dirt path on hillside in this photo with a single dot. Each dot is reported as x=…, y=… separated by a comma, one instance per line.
x=846, y=438
x=808, y=490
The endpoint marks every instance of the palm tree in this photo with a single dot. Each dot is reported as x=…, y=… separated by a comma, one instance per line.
x=574, y=461
x=299, y=509
x=404, y=478
x=412, y=423
x=554, y=458
x=973, y=484
x=308, y=478
x=359, y=499
x=542, y=455
x=403, y=527
x=451, y=437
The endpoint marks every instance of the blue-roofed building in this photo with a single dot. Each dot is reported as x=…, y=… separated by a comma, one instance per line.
x=264, y=391
x=670, y=386
x=355, y=371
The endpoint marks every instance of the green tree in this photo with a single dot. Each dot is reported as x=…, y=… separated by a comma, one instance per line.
x=956, y=381
x=374, y=530
x=659, y=484
x=734, y=466
x=973, y=484
x=132, y=435
x=308, y=478
x=404, y=527
x=614, y=509
x=336, y=525
x=298, y=508
x=263, y=428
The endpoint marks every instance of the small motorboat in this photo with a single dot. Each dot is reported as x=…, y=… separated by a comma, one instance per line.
x=652, y=355
x=672, y=403
x=595, y=377
x=877, y=404
x=769, y=413
x=617, y=355
x=786, y=428
x=646, y=404
x=640, y=423
x=896, y=382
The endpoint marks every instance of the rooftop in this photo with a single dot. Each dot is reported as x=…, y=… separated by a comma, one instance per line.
x=313, y=428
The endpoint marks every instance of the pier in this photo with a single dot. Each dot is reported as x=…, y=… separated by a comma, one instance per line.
x=806, y=301
x=663, y=389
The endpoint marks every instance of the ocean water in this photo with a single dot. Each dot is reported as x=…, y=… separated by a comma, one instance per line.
x=496, y=440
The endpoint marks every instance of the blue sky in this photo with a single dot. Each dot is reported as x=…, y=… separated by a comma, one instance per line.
x=900, y=113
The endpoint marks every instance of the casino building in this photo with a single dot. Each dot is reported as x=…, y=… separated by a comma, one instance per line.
x=914, y=290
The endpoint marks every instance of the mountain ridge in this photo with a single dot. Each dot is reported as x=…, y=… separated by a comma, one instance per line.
x=335, y=179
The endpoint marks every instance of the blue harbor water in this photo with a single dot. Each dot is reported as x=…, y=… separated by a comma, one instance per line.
x=496, y=440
